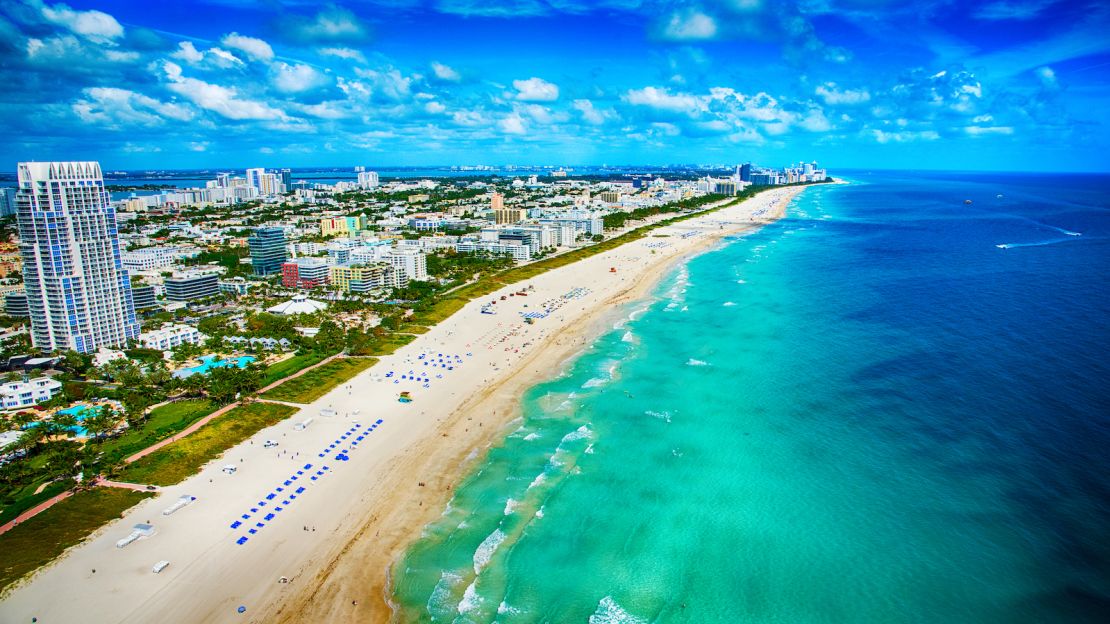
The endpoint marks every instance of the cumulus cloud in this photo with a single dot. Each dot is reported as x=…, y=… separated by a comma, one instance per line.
x=224, y=101
x=1047, y=76
x=445, y=72
x=536, y=90
x=212, y=57
x=297, y=78
x=988, y=130
x=592, y=114
x=256, y=49
x=113, y=106
x=513, y=123
x=903, y=136
x=833, y=95
x=689, y=25
x=663, y=99
x=332, y=24
x=344, y=53
x=95, y=25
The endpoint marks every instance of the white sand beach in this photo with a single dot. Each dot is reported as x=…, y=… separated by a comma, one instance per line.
x=335, y=539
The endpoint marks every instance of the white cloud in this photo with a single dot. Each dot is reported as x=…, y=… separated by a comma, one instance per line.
x=224, y=101
x=198, y=146
x=113, y=106
x=344, y=53
x=256, y=49
x=188, y=52
x=536, y=90
x=390, y=83
x=331, y=24
x=95, y=25
x=987, y=130
x=834, y=95
x=445, y=72
x=434, y=108
x=904, y=136
x=591, y=114
x=690, y=25
x=662, y=99
x=214, y=57
x=297, y=78
x=1047, y=77
x=513, y=124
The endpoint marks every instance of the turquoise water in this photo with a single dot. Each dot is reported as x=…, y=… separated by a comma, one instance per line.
x=866, y=412
x=209, y=361
x=80, y=412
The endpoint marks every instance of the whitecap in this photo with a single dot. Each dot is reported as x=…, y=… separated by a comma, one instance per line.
x=440, y=600
x=741, y=281
x=470, y=599
x=485, y=550
x=728, y=304
x=596, y=381
x=664, y=416
x=510, y=506
x=540, y=478
x=693, y=362
x=609, y=612
x=627, y=337
x=578, y=434
x=539, y=512
x=532, y=436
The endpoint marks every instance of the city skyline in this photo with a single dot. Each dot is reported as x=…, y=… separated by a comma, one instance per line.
x=997, y=85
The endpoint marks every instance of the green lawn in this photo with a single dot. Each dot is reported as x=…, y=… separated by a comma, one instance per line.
x=318, y=381
x=186, y=456
x=41, y=539
x=26, y=498
x=285, y=368
x=162, y=423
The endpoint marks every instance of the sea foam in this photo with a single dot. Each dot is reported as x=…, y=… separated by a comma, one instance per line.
x=609, y=612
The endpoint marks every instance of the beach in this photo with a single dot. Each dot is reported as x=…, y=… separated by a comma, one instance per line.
x=307, y=529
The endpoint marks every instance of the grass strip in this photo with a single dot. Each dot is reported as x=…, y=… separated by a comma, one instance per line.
x=184, y=458
x=41, y=539
x=319, y=381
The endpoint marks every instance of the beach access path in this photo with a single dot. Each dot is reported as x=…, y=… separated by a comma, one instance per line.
x=353, y=515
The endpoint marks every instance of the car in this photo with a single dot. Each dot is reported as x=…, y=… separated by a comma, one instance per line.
x=270, y=444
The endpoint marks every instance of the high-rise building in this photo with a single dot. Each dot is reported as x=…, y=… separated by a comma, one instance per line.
x=367, y=179
x=78, y=293
x=223, y=180
x=267, y=250
x=287, y=179
x=746, y=172
x=7, y=201
x=254, y=178
x=192, y=285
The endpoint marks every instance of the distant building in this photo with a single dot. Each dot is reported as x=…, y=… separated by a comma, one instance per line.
x=367, y=179
x=27, y=393
x=267, y=250
x=170, y=336
x=746, y=172
x=190, y=286
x=367, y=277
x=287, y=179
x=78, y=293
x=305, y=273
x=236, y=286
x=7, y=201
x=412, y=262
x=299, y=304
x=143, y=294
x=15, y=304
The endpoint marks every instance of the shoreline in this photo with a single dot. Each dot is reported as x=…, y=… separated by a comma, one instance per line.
x=365, y=567
x=365, y=512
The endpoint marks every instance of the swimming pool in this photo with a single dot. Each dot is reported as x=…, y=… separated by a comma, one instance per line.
x=80, y=412
x=209, y=362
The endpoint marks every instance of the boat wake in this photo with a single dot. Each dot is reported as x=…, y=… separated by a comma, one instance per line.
x=1051, y=241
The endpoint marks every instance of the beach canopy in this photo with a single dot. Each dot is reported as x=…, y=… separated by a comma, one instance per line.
x=241, y=609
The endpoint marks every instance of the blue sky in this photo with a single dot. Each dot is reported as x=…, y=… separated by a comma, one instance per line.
x=1000, y=84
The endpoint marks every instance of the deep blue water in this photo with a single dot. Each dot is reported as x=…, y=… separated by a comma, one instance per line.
x=866, y=412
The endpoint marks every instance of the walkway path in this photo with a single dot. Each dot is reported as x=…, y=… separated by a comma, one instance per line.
x=47, y=504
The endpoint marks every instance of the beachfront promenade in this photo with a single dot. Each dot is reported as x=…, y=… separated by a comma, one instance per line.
x=369, y=465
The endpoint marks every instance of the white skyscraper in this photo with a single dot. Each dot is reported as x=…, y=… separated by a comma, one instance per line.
x=78, y=293
x=367, y=179
x=254, y=178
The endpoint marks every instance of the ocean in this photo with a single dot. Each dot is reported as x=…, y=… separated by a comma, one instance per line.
x=890, y=406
